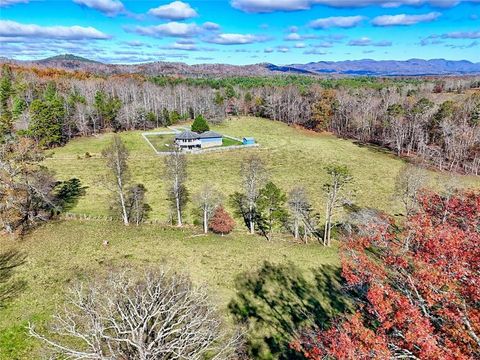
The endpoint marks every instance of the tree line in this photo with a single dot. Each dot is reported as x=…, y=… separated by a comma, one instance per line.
x=435, y=121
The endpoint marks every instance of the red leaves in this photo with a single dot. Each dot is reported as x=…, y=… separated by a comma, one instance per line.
x=221, y=222
x=420, y=288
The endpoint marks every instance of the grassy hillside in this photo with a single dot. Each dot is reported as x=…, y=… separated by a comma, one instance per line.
x=293, y=157
x=59, y=253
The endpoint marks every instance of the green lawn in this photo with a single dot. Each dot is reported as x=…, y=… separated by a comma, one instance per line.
x=230, y=142
x=162, y=143
x=60, y=253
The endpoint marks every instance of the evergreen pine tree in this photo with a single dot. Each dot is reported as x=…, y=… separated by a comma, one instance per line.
x=5, y=94
x=200, y=125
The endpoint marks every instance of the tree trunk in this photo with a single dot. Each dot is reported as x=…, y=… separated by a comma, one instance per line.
x=295, y=229
x=252, y=222
x=122, y=201
x=205, y=222
x=179, y=213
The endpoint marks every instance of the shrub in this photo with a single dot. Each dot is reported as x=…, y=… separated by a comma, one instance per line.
x=221, y=222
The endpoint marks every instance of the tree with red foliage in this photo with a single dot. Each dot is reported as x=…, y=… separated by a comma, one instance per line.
x=416, y=289
x=221, y=222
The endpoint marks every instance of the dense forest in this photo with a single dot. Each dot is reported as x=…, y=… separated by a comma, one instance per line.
x=434, y=121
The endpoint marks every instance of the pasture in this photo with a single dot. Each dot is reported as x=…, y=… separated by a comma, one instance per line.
x=292, y=156
x=63, y=252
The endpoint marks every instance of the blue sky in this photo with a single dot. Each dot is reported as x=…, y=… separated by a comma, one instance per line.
x=241, y=31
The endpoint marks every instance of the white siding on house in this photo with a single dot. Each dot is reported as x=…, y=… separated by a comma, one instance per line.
x=211, y=142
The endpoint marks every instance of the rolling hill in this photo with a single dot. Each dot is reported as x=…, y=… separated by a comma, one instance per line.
x=364, y=67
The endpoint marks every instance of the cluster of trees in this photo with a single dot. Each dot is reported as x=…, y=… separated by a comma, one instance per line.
x=415, y=291
x=265, y=207
x=129, y=201
x=411, y=117
x=262, y=205
x=29, y=193
x=406, y=290
x=445, y=134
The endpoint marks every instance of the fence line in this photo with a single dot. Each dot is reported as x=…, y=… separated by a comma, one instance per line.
x=73, y=216
x=195, y=151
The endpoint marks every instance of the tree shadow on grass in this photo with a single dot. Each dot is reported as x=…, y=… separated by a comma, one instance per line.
x=277, y=301
x=375, y=148
x=10, y=288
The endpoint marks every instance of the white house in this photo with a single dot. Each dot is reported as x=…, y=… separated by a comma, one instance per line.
x=192, y=140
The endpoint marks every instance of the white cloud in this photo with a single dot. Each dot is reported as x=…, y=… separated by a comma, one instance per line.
x=300, y=45
x=324, y=44
x=210, y=26
x=315, y=52
x=234, y=39
x=13, y=29
x=174, y=29
x=134, y=43
x=336, y=21
x=268, y=6
x=404, y=19
x=365, y=41
x=293, y=37
x=461, y=35
x=5, y=3
x=108, y=7
x=182, y=46
x=176, y=10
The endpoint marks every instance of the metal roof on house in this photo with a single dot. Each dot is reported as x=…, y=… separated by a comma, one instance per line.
x=187, y=135
x=210, y=134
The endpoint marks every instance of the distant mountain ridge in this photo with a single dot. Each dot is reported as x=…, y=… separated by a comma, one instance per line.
x=412, y=67
x=364, y=67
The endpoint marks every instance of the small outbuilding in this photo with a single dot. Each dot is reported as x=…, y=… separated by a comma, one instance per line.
x=248, y=141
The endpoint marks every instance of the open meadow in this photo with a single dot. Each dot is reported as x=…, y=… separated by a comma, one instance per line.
x=292, y=156
x=63, y=252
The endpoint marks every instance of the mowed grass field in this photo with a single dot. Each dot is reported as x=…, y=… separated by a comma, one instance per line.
x=63, y=252
x=293, y=157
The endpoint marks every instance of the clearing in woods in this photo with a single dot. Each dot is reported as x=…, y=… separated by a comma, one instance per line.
x=62, y=252
x=293, y=157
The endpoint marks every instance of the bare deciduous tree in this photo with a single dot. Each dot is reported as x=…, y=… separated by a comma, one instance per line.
x=138, y=209
x=254, y=175
x=176, y=175
x=160, y=316
x=334, y=188
x=116, y=155
x=26, y=187
x=301, y=214
x=409, y=181
x=207, y=200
